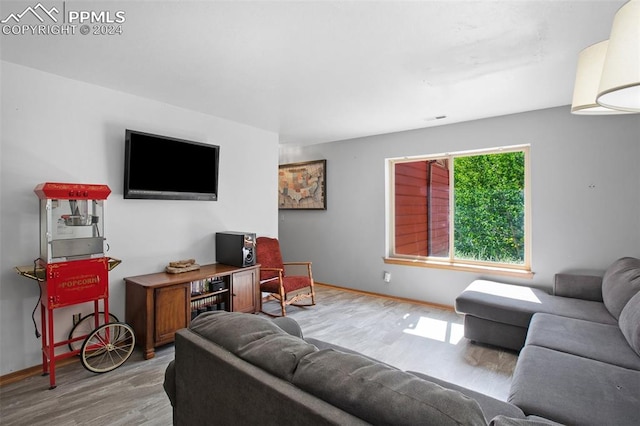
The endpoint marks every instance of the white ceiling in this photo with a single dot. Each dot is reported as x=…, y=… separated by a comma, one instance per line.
x=318, y=71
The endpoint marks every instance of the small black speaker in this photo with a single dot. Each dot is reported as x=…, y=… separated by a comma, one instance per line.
x=236, y=248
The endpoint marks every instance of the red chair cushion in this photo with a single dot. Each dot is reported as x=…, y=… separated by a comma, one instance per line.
x=295, y=282
x=268, y=256
x=272, y=286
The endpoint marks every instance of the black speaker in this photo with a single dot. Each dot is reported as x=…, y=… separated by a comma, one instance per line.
x=236, y=248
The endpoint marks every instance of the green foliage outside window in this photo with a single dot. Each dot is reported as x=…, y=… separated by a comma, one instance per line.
x=489, y=207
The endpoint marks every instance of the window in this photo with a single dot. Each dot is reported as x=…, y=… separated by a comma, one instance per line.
x=466, y=210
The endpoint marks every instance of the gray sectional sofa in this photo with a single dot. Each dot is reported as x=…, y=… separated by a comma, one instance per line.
x=579, y=360
x=234, y=368
x=579, y=364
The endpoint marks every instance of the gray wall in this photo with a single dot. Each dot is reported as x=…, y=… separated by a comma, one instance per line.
x=585, y=200
x=60, y=130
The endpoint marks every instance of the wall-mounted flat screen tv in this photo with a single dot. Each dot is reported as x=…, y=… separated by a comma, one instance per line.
x=167, y=168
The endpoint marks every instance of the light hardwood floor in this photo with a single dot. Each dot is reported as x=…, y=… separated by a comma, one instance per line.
x=410, y=336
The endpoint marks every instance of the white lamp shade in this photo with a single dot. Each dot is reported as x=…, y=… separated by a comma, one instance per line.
x=620, y=82
x=585, y=90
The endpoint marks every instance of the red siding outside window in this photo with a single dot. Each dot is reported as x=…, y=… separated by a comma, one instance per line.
x=422, y=208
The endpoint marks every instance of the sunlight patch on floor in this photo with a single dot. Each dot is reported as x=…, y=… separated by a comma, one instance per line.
x=435, y=329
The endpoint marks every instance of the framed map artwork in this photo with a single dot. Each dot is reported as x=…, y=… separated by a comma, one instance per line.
x=303, y=186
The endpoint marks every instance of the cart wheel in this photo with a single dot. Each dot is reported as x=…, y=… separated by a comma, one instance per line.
x=85, y=326
x=107, y=347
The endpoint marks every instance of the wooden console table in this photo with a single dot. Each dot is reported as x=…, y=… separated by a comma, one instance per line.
x=158, y=305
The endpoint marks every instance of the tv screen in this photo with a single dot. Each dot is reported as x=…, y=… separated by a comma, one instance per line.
x=166, y=168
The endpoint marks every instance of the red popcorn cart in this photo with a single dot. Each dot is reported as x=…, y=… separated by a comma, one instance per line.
x=72, y=269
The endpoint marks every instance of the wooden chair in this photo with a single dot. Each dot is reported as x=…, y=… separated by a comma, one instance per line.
x=289, y=290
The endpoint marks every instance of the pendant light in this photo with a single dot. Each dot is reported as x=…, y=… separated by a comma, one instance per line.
x=608, y=73
x=620, y=80
x=585, y=91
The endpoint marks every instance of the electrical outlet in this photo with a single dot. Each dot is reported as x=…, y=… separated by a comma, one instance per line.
x=387, y=277
x=76, y=318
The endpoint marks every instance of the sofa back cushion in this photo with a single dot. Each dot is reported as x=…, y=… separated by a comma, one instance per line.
x=620, y=283
x=255, y=339
x=630, y=322
x=380, y=394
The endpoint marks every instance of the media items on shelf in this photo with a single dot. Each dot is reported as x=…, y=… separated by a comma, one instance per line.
x=208, y=295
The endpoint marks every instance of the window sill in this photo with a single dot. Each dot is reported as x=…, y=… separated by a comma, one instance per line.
x=465, y=267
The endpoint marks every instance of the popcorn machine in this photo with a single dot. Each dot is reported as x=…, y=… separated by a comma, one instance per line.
x=72, y=268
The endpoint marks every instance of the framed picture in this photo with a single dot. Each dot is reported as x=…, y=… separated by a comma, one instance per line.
x=303, y=186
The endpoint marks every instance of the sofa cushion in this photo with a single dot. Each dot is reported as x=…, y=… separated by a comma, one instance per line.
x=602, y=342
x=630, y=322
x=587, y=287
x=515, y=305
x=289, y=325
x=620, y=283
x=574, y=390
x=529, y=421
x=491, y=407
x=494, y=333
x=505, y=303
x=321, y=344
x=255, y=339
x=380, y=394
